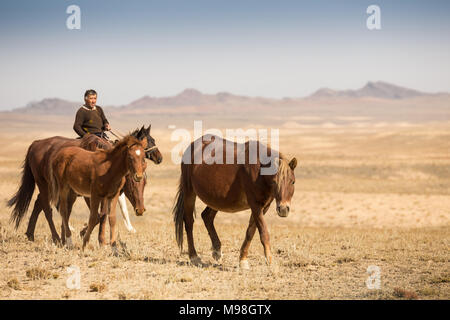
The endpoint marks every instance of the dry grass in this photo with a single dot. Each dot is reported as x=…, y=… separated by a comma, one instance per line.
x=37, y=274
x=362, y=198
x=97, y=287
x=14, y=284
x=402, y=293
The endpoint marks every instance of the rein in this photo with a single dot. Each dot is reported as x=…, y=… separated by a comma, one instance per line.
x=119, y=136
x=115, y=135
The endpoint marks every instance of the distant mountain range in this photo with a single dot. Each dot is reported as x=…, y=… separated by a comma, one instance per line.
x=50, y=105
x=189, y=97
x=381, y=90
x=193, y=101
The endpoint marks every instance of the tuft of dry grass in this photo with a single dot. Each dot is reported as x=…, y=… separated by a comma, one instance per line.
x=38, y=274
x=445, y=278
x=97, y=287
x=14, y=284
x=344, y=260
x=402, y=293
x=122, y=296
x=428, y=292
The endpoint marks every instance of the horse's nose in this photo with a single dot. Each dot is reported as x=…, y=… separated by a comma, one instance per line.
x=140, y=212
x=138, y=177
x=283, y=211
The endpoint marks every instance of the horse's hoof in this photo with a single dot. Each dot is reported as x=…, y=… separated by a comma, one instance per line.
x=244, y=265
x=217, y=254
x=131, y=230
x=30, y=237
x=69, y=243
x=196, y=261
x=115, y=251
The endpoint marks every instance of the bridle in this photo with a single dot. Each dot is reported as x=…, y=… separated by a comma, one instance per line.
x=150, y=149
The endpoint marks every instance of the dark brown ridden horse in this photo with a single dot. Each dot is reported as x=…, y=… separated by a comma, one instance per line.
x=230, y=188
x=35, y=172
x=99, y=175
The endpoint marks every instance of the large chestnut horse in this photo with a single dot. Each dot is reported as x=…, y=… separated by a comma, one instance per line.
x=99, y=175
x=231, y=188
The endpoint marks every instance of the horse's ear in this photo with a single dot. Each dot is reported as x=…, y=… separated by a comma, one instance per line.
x=148, y=129
x=293, y=163
x=141, y=133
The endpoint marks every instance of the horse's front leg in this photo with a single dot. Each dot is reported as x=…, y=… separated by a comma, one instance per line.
x=93, y=218
x=112, y=220
x=258, y=216
x=251, y=229
x=125, y=214
x=243, y=261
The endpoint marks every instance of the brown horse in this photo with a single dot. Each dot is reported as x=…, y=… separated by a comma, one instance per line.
x=132, y=189
x=230, y=188
x=99, y=175
x=35, y=172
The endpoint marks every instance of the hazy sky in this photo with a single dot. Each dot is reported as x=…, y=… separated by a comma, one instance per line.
x=128, y=49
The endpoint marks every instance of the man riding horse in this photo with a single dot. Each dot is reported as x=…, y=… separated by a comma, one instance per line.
x=90, y=118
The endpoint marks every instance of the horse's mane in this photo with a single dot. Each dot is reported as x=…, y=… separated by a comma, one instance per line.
x=90, y=140
x=283, y=171
x=283, y=165
x=134, y=133
x=126, y=141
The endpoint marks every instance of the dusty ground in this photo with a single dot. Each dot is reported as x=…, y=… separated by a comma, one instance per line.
x=364, y=196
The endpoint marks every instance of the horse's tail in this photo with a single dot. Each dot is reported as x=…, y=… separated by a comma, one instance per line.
x=178, y=208
x=22, y=198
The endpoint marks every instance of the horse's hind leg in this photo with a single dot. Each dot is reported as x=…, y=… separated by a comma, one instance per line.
x=189, y=206
x=66, y=200
x=38, y=207
x=93, y=218
x=71, y=198
x=208, y=216
x=45, y=203
x=98, y=219
x=33, y=218
x=88, y=203
x=104, y=209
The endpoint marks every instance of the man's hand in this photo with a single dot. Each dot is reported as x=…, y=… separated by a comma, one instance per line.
x=107, y=127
